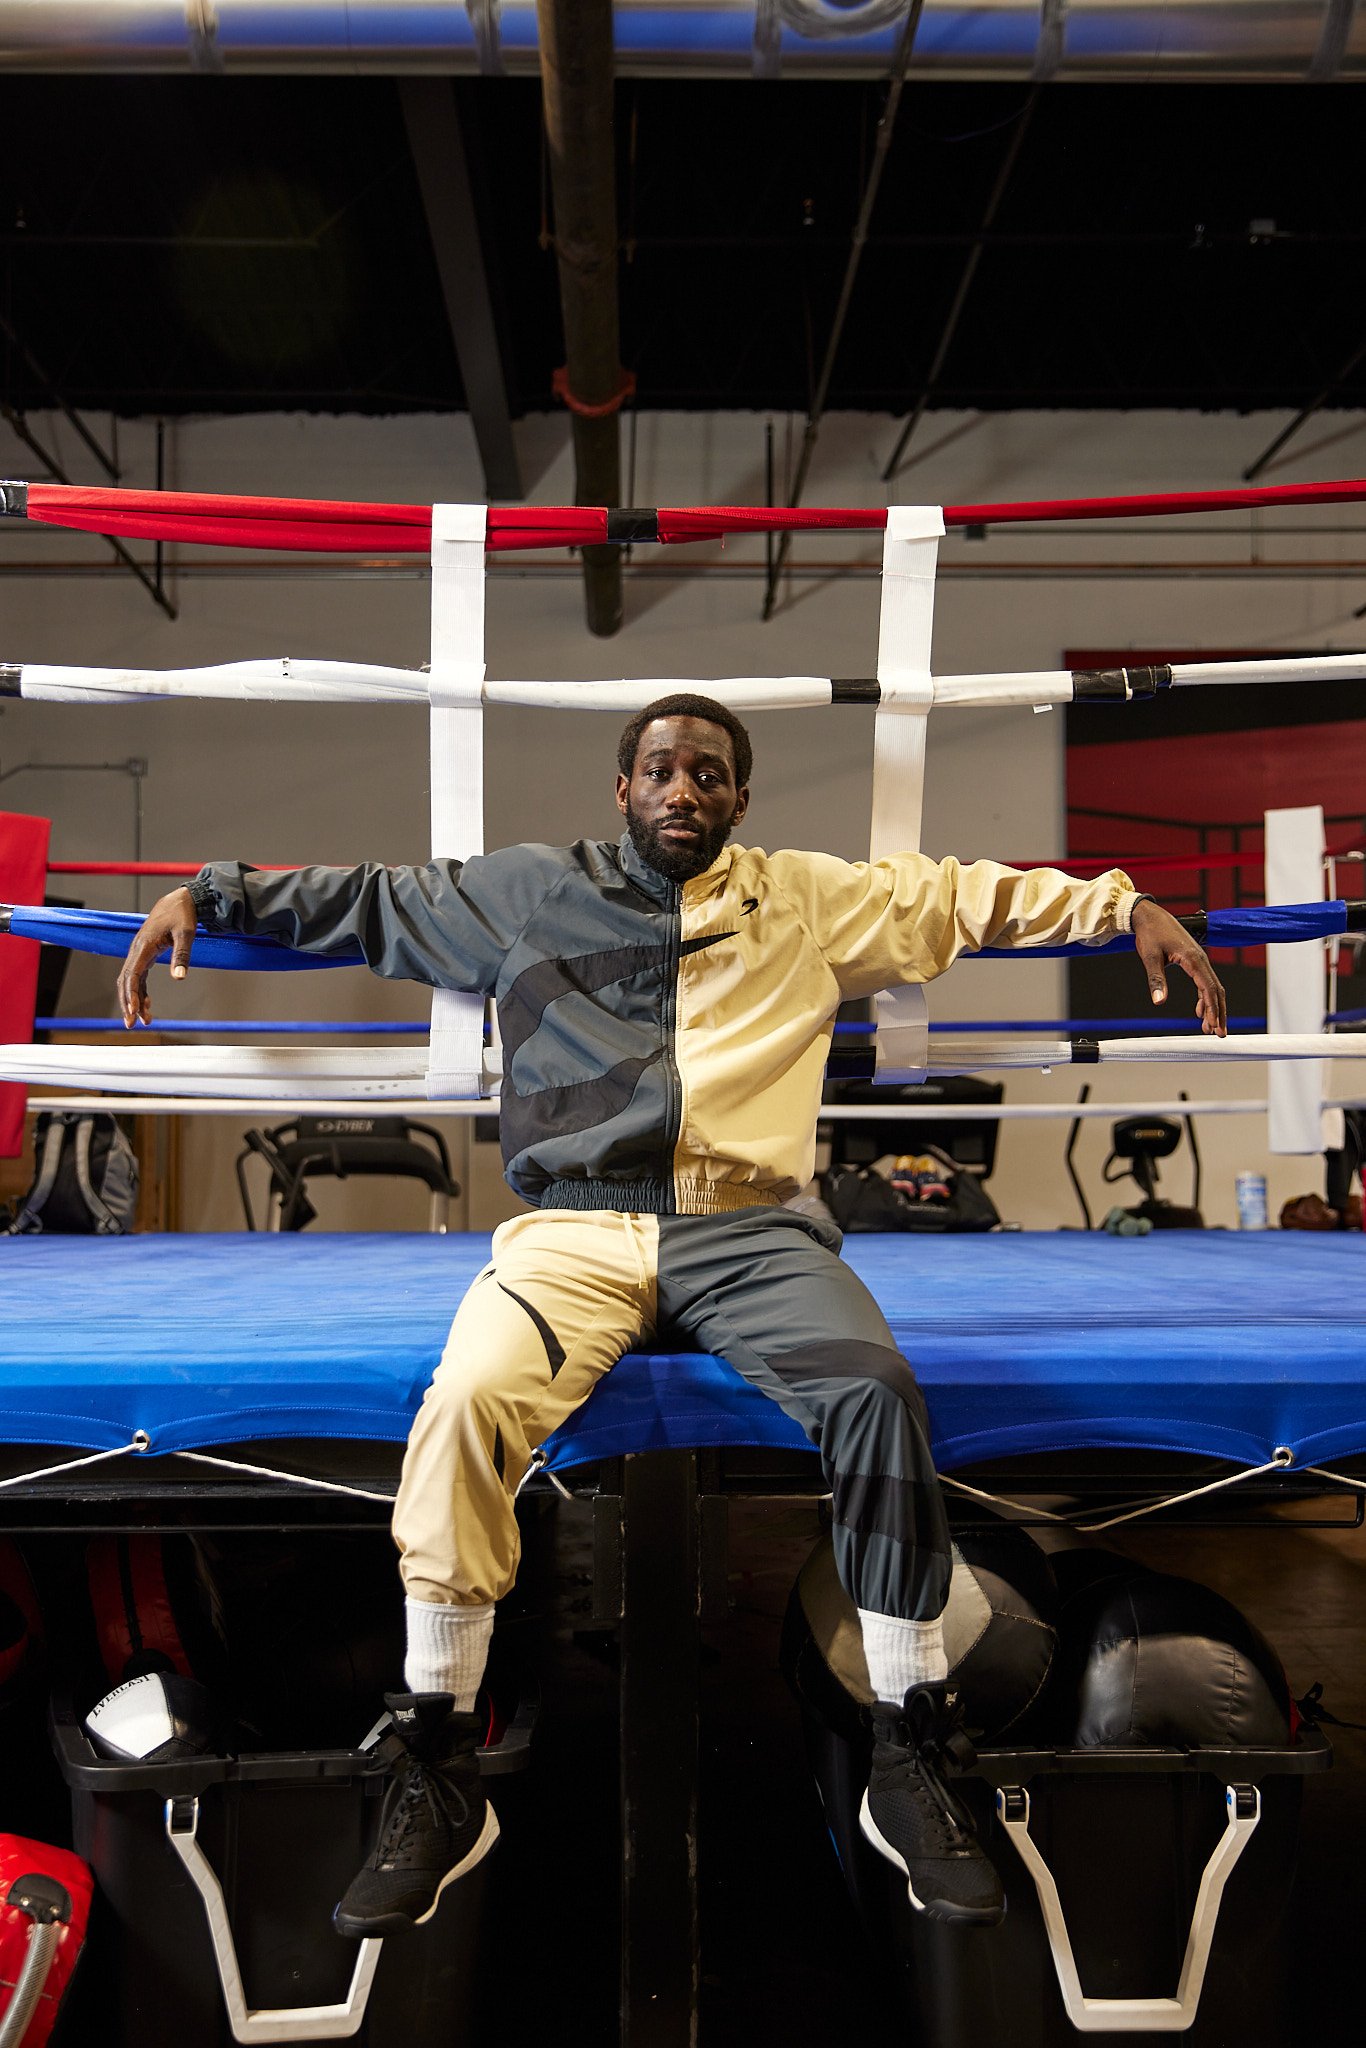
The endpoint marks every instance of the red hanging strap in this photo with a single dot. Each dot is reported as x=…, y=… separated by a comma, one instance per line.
x=559, y=384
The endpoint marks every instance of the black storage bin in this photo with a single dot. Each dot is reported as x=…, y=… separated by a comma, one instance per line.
x=1126, y=1836
x=283, y=1834
x=1146, y=1796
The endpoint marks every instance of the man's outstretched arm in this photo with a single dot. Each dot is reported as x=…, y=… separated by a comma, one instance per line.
x=908, y=918
x=447, y=925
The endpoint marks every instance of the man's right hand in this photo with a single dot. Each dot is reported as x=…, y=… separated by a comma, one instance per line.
x=170, y=922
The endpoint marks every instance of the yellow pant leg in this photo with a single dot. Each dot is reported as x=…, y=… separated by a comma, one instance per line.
x=566, y=1294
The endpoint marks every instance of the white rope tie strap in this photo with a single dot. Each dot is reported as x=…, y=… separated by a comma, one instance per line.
x=1281, y=1460
x=1001, y=1500
x=135, y=1448
x=140, y=1446
x=286, y=1478
x=1338, y=1478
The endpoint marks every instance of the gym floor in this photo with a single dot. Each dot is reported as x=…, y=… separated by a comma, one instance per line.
x=783, y=1957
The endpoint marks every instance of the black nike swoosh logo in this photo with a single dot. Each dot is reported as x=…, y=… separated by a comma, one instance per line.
x=750, y=903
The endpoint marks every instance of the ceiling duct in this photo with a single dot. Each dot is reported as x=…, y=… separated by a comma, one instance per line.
x=1085, y=39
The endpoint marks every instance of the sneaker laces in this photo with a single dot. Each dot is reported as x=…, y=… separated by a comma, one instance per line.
x=954, y=1823
x=418, y=1784
x=923, y=1750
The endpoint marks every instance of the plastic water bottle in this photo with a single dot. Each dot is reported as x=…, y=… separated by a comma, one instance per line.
x=1251, y=1192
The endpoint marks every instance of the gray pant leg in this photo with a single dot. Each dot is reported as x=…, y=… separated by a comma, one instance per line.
x=765, y=1290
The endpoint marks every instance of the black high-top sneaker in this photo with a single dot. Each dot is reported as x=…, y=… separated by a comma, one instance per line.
x=910, y=1815
x=436, y=1825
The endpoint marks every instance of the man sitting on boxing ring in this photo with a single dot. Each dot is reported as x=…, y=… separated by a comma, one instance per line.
x=665, y=1006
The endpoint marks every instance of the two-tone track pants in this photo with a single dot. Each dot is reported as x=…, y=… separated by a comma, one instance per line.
x=567, y=1293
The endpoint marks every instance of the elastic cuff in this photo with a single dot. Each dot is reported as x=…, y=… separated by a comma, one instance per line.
x=1126, y=906
x=204, y=897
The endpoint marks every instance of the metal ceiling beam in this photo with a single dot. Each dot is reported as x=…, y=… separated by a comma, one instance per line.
x=432, y=119
x=19, y=426
x=960, y=297
x=1316, y=404
x=882, y=144
x=69, y=414
x=577, y=73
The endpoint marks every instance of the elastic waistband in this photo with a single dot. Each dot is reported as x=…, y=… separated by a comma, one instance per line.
x=658, y=1197
x=638, y=1197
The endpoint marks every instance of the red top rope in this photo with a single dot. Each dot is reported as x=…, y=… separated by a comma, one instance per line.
x=321, y=525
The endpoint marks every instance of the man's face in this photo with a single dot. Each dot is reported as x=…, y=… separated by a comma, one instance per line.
x=680, y=801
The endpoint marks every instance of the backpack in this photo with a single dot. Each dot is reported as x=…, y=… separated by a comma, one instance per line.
x=862, y=1200
x=86, y=1182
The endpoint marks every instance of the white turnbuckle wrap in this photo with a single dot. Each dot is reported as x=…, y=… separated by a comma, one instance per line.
x=1243, y=1810
x=455, y=1065
x=268, y=2023
x=1295, y=846
x=910, y=551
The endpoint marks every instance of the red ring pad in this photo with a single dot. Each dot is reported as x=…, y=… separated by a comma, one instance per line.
x=23, y=879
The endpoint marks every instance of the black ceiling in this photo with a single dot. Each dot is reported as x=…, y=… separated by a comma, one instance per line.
x=213, y=245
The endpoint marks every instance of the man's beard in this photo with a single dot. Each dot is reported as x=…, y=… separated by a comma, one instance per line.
x=677, y=863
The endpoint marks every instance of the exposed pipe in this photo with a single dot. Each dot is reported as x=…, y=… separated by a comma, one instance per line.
x=576, y=88
x=20, y=428
x=1104, y=39
x=546, y=569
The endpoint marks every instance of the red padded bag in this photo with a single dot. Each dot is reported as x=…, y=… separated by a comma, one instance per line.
x=44, y=1912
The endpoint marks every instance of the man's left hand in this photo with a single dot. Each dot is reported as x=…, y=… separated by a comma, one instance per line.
x=1160, y=941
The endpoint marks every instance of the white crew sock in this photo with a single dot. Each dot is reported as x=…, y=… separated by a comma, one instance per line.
x=901, y=1654
x=448, y=1647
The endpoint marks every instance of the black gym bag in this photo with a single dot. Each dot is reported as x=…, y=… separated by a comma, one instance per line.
x=85, y=1180
x=862, y=1200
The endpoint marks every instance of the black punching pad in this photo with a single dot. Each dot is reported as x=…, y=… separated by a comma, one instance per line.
x=1150, y=1662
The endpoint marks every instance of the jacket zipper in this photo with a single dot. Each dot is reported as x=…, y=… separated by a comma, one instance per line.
x=673, y=1086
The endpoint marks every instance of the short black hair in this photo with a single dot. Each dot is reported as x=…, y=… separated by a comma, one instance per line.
x=683, y=704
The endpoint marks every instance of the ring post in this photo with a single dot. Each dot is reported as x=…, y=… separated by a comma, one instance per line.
x=1295, y=847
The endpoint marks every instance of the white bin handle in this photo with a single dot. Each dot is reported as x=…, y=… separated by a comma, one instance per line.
x=277, y=2023
x=1243, y=1810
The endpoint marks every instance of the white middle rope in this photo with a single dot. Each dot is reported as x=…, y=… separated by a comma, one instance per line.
x=365, y=1073
x=293, y=679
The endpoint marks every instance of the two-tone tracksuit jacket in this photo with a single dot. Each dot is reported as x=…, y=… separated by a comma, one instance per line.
x=663, y=1044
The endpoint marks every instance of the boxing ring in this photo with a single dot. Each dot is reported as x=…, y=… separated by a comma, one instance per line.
x=268, y=1382
x=1244, y=1350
